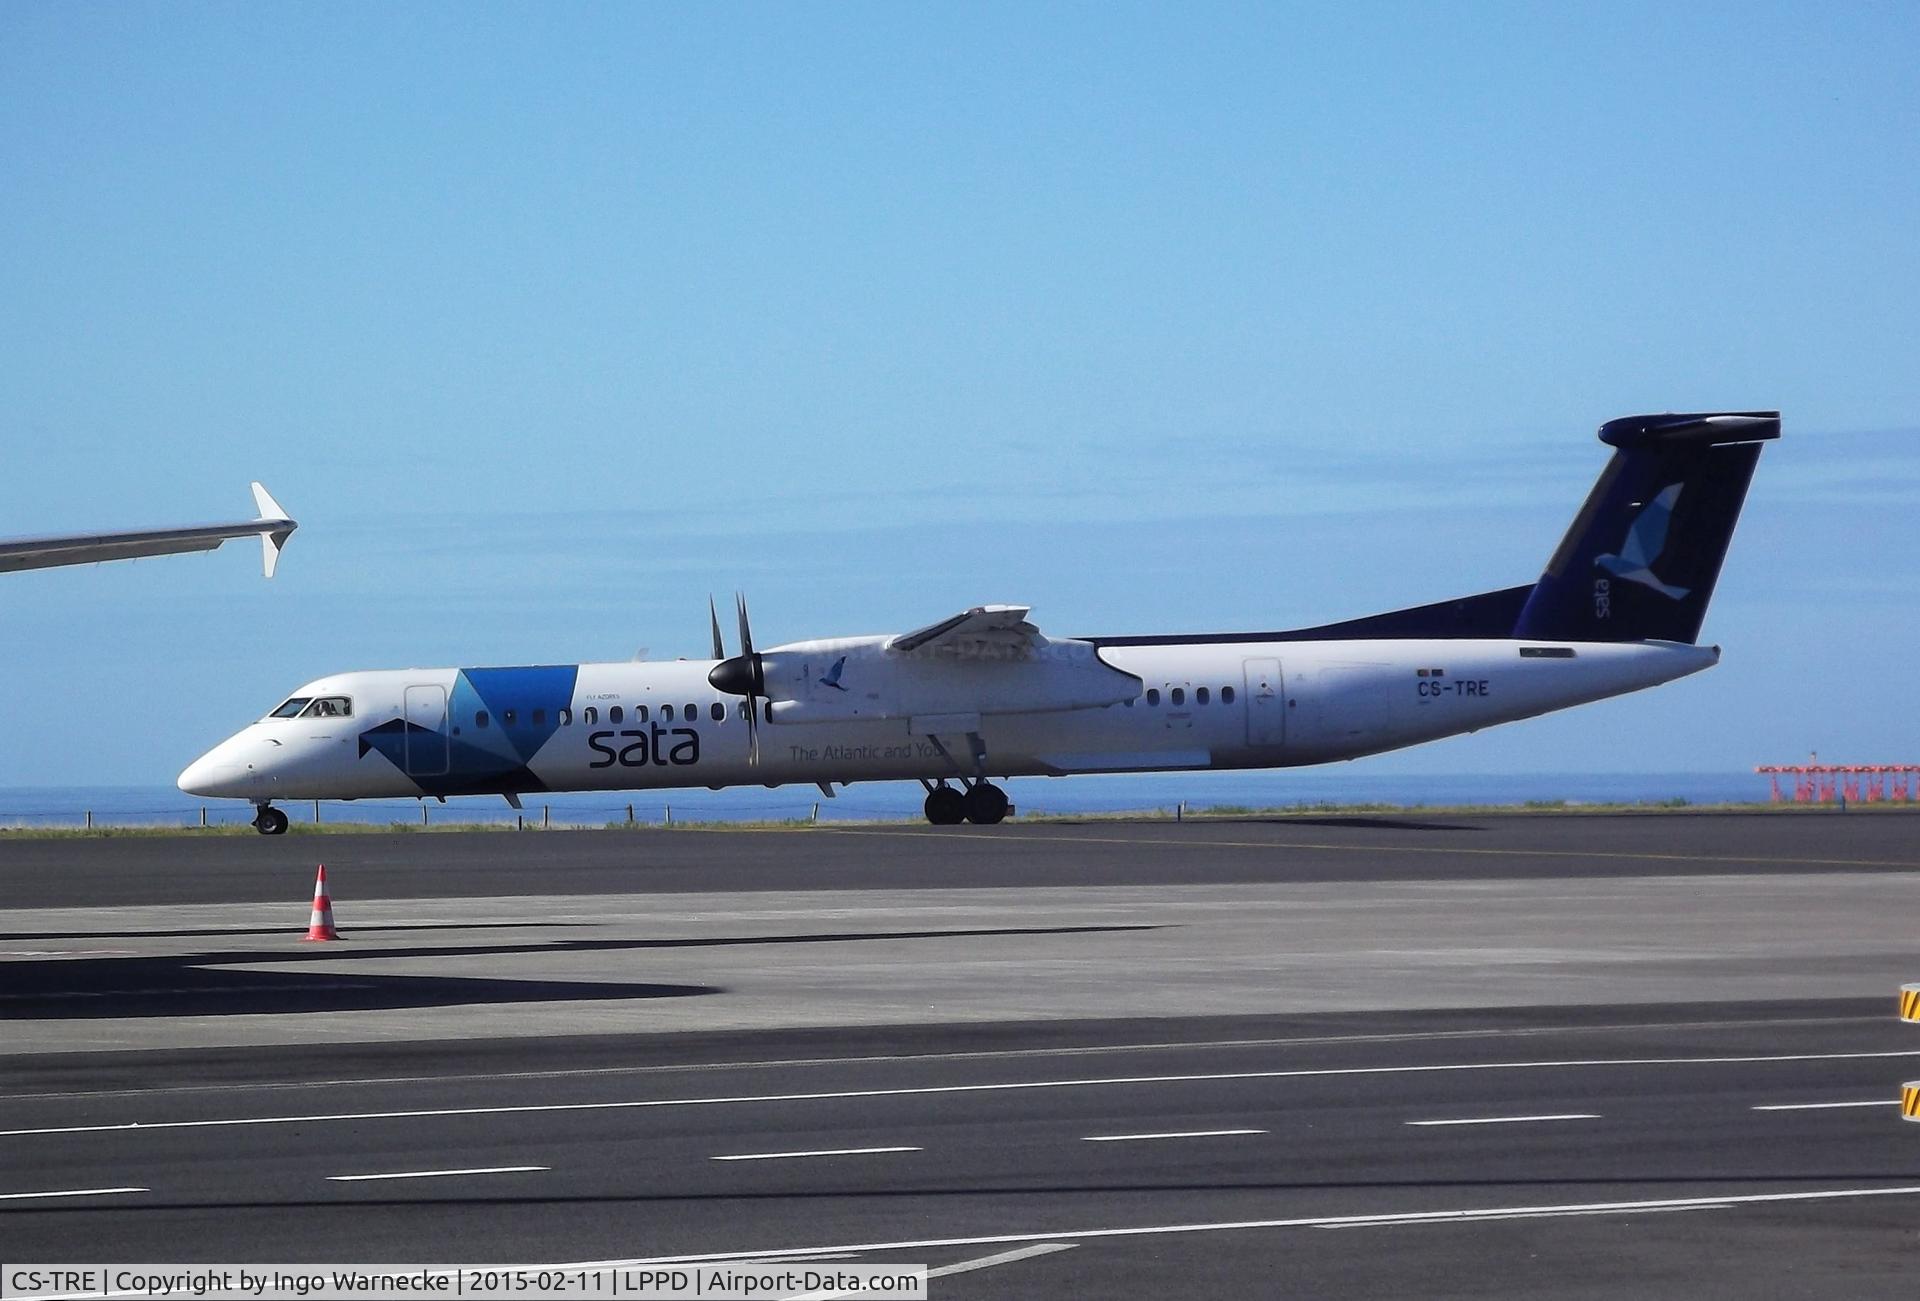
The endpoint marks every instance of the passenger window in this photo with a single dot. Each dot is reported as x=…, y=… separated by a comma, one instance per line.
x=539, y=718
x=1153, y=695
x=716, y=711
x=666, y=712
x=1226, y=695
x=480, y=718
x=1179, y=695
x=743, y=711
x=291, y=708
x=639, y=713
x=566, y=718
x=591, y=714
x=1200, y=696
x=614, y=714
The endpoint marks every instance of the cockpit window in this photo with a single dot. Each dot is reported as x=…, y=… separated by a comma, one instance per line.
x=291, y=708
x=328, y=707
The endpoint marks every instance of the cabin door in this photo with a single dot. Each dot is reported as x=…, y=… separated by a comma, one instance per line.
x=1266, y=704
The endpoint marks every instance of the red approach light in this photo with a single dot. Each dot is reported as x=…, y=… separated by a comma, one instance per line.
x=1857, y=783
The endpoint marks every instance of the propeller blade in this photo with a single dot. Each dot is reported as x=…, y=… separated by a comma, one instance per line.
x=753, y=700
x=713, y=617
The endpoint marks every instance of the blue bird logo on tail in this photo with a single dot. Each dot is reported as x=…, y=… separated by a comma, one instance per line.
x=1646, y=538
x=833, y=674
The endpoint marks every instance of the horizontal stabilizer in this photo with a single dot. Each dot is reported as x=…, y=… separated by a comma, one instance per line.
x=1732, y=427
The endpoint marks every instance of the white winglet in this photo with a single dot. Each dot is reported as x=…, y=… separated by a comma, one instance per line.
x=269, y=508
x=272, y=540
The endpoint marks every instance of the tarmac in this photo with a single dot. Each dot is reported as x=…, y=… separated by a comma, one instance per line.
x=1479, y=1056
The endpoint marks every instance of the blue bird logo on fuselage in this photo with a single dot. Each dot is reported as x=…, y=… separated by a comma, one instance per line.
x=833, y=674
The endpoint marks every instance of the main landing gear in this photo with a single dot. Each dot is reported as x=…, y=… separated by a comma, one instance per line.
x=269, y=821
x=981, y=803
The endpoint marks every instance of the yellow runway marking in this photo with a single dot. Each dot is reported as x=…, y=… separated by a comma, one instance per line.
x=1470, y=850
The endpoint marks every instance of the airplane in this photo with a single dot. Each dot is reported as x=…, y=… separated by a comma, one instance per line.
x=984, y=695
x=272, y=525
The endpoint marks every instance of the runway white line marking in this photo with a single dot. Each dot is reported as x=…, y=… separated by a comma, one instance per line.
x=1085, y=1050
x=1003, y=1258
x=1508, y=1120
x=833, y=1151
x=1191, y=1133
x=935, y=1090
x=439, y=1174
x=1302, y=1222
x=1822, y=1106
x=72, y=1192
x=1538, y=1215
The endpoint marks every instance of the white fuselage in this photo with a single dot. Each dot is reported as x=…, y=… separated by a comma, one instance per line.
x=1199, y=704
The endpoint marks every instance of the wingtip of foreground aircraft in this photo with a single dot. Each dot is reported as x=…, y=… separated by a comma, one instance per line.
x=272, y=524
x=276, y=527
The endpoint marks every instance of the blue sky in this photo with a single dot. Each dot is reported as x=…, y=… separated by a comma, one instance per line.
x=548, y=320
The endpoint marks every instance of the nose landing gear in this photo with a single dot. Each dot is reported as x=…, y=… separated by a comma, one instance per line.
x=269, y=821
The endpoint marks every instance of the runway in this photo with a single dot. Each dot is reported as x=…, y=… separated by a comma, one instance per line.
x=118, y=871
x=1520, y=1057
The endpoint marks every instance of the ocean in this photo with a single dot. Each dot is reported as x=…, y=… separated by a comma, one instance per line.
x=144, y=806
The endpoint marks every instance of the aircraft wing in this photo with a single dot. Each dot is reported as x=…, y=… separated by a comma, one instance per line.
x=998, y=628
x=941, y=678
x=272, y=526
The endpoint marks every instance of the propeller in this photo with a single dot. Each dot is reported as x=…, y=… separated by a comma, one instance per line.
x=744, y=674
x=713, y=616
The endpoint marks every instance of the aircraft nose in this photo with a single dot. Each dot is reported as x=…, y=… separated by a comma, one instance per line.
x=213, y=773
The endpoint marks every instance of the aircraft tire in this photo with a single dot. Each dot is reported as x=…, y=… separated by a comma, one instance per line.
x=946, y=807
x=270, y=822
x=985, y=804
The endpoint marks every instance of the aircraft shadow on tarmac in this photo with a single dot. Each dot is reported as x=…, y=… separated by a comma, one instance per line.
x=218, y=932
x=222, y=983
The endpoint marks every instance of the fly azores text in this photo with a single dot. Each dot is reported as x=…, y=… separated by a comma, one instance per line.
x=654, y=746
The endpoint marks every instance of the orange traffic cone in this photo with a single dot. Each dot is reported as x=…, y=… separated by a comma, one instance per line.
x=321, y=926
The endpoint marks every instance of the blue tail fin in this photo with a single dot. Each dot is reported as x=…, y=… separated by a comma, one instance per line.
x=1644, y=553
